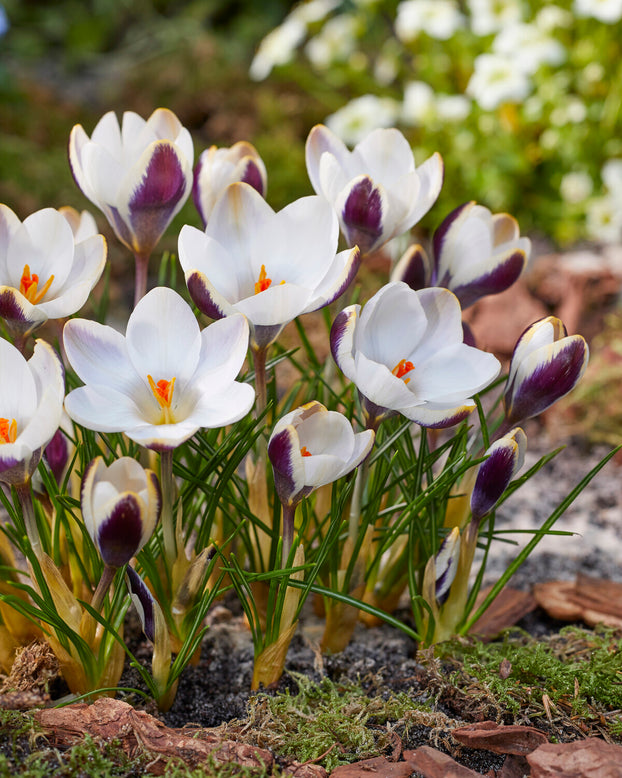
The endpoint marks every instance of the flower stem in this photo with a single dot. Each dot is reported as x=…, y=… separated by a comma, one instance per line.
x=168, y=526
x=288, y=530
x=24, y=494
x=140, y=276
x=104, y=584
x=259, y=363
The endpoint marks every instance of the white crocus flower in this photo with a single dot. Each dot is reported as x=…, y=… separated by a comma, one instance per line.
x=45, y=271
x=375, y=189
x=437, y=18
x=311, y=447
x=497, y=80
x=270, y=266
x=164, y=379
x=31, y=404
x=404, y=351
x=120, y=505
x=138, y=174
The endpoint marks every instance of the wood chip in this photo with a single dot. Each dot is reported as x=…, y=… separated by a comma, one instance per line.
x=592, y=600
x=379, y=767
x=508, y=608
x=499, y=738
x=591, y=758
x=432, y=763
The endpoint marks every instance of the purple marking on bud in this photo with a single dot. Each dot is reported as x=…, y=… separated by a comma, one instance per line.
x=280, y=455
x=252, y=176
x=196, y=191
x=119, y=536
x=493, y=478
x=362, y=214
x=121, y=228
x=449, y=421
x=467, y=335
x=441, y=234
x=57, y=454
x=201, y=296
x=337, y=331
x=352, y=270
x=414, y=269
x=498, y=280
x=549, y=381
x=10, y=309
x=143, y=600
x=154, y=201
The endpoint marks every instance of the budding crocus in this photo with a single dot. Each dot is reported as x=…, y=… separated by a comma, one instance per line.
x=505, y=459
x=546, y=364
x=446, y=564
x=217, y=168
x=120, y=507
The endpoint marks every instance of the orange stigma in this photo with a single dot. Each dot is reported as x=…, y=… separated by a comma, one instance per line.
x=403, y=367
x=163, y=392
x=304, y=452
x=8, y=431
x=29, y=286
x=264, y=282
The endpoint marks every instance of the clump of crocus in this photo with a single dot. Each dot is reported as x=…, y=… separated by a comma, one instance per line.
x=546, y=364
x=217, y=168
x=46, y=271
x=476, y=253
x=376, y=190
x=138, y=174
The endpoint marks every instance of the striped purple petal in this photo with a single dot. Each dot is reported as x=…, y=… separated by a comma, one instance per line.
x=281, y=454
x=440, y=235
x=497, y=280
x=202, y=297
x=120, y=534
x=362, y=214
x=414, y=268
x=254, y=177
x=143, y=601
x=505, y=458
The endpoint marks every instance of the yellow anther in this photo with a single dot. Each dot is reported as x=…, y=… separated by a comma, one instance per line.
x=29, y=286
x=8, y=431
x=403, y=367
x=163, y=392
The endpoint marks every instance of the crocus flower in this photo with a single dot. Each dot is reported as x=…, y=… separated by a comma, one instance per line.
x=505, y=459
x=82, y=223
x=546, y=364
x=45, y=271
x=446, y=564
x=476, y=253
x=269, y=266
x=31, y=404
x=311, y=447
x=375, y=189
x=165, y=379
x=139, y=174
x=405, y=352
x=217, y=168
x=120, y=507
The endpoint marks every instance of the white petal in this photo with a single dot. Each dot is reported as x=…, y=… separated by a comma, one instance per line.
x=224, y=345
x=319, y=141
x=443, y=323
x=385, y=155
x=44, y=242
x=104, y=409
x=47, y=370
x=279, y=304
x=228, y=272
x=18, y=390
x=9, y=224
x=229, y=406
x=44, y=422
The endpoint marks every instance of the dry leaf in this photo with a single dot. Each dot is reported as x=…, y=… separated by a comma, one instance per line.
x=500, y=739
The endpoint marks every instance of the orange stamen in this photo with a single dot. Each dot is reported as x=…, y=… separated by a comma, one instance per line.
x=304, y=452
x=8, y=431
x=403, y=367
x=29, y=286
x=264, y=282
x=163, y=392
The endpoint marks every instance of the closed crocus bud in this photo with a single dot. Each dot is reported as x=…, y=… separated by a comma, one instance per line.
x=375, y=189
x=546, y=364
x=217, y=168
x=413, y=268
x=139, y=174
x=120, y=507
x=446, y=564
x=477, y=253
x=505, y=459
x=312, y=447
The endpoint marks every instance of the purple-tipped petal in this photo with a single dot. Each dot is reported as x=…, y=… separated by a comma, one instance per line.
x=446, y=564
x=362, y=214
x=19, y=314
x=497, y=280
x=440, y=236
x=505, y=458
x=156, y=199
x=254, y=176
x=204, y=296
x=119, y=535
x=287, y=466
x=341, y=336
x=196, y=189
x=57, y=454
x=544, y=377
x=143, y=602
x=414, y=268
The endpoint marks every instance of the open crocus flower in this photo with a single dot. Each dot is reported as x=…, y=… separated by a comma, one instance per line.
x=217, y=168
x=375, y=189
x=505, y=459
x=546, y=364
x=31, y=404
x=165, y=379
x=45, y=271
x=269, y=266
x=476, y=253
x=404, y=351
x=82, y=223
x=120, y=507
x=311, y=447
x=139, y=174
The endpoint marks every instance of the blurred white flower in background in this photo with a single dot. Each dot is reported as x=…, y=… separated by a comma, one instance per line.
x=492, y=15
x=362, y=115
x=552, y=16
x=334, y=43
x=607, y=11
x=311, y=11
x=575, y=187
x=452, y=108
x=604, y=220
x=496, y=80
x=612, y=178
x=418, y=104
x=277, y=48
x=528, y=46
x=438, y=18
